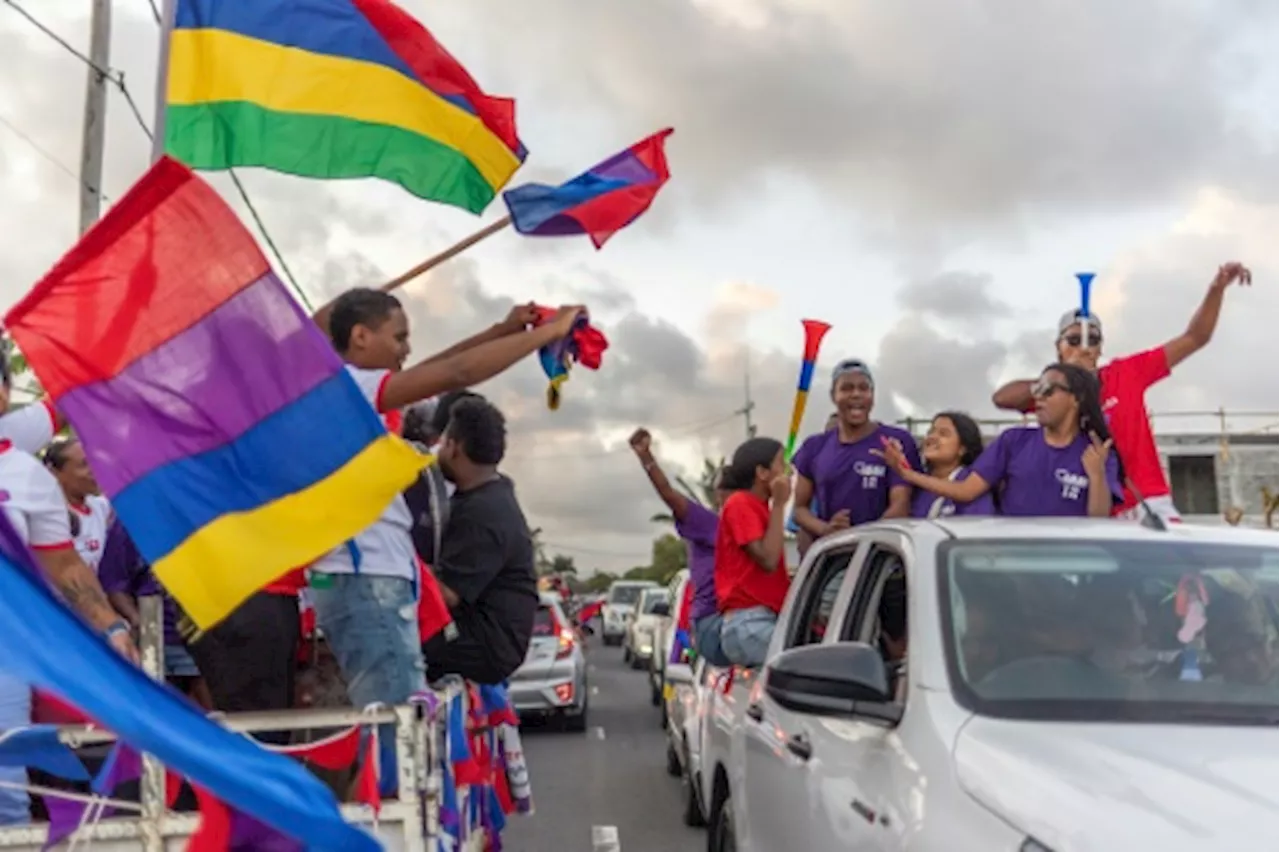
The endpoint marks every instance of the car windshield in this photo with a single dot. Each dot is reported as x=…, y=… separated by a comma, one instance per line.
x=652, y=597
x=1118, y=631
x=544, y=622
x=625, y=594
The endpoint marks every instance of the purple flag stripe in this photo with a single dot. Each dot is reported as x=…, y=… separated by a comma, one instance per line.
x=66, y=815
x=250, y=357
x=250, y=835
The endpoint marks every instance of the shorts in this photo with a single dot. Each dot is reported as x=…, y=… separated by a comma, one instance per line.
x=706, y=639
x=1161, y=506
x=746, y=634
x=178, y=662
x=15, y=712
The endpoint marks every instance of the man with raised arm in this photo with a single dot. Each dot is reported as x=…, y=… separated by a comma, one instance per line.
x=1124, y=386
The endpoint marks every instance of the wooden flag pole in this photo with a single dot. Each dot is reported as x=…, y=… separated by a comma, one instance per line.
x=451, y=252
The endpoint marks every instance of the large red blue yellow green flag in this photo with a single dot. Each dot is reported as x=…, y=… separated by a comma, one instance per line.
x=218, y=419
x=333, y=89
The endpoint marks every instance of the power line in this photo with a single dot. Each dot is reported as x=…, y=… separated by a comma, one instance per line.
x=105, y=72
x=686, y=431
x=50, y=158
x=271, y=244
x=591, y=551
x=155, y=10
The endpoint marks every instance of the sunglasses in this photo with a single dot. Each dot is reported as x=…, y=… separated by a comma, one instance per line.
x=1044, y=390
x=1077, y=340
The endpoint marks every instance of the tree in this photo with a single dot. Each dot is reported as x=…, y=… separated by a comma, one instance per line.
x=561, y=564
x=704, y=491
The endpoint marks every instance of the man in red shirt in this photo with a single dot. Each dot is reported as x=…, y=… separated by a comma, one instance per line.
x=1124, y=385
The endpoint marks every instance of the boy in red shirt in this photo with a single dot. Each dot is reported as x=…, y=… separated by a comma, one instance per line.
x=1124, y=385
x=750, y=568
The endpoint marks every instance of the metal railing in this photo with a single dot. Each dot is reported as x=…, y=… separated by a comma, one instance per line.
x=1220, y=422
x=409, y=821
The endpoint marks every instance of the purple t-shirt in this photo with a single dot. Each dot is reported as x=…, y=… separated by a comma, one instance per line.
x=922, y=501
x=123, y=570
x=698, y=528
x=850, y=476
x=1036, y=480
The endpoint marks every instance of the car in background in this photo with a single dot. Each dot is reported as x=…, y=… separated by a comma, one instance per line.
x=1042, y=685
x=552, y=681
x=664, y=642
x=619, y=604
x=638, y=645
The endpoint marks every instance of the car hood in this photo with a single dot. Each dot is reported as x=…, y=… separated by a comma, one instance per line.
x=1091, y=787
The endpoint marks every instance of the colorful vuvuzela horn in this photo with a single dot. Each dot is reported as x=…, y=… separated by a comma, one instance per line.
x=814, y=331
x=1085, y=279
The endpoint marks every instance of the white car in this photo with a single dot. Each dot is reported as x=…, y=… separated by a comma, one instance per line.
x=639, y=643
x=618, y=606
x=1065, y=688
x=664, y=640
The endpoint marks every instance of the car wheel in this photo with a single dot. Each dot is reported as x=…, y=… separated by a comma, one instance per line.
x=637, y=662
x=663, y=718
x=722, y=839
x=655, y=690
x=692, y=815
x=626, y=655
x=673, y=761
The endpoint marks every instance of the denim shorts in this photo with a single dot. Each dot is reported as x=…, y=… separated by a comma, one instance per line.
x=15, y=712
x=371, y=625
x=706, y=640
x=745, y=635
x=178, y=662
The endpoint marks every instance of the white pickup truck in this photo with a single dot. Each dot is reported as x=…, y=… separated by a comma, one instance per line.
x=1068, y=686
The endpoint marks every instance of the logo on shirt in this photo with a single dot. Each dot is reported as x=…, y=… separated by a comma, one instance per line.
x=869, y=472
x=1072, y=483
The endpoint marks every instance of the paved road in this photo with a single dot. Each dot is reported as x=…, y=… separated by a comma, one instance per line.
x=612, y=777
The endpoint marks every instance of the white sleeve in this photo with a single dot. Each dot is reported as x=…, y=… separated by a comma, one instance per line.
x=30, y=428
x=48, y=521
x=371, y=383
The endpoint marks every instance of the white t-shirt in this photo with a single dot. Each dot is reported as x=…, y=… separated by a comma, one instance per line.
x=95, y=519
x=30, y=428
x=386, y=548
x=32, y=500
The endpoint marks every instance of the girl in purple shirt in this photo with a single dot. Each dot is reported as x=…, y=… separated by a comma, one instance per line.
x=953, y=443
x=1062, y=467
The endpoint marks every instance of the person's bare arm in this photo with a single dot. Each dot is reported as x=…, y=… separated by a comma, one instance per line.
x=451, y=599
x=1205, y=320
x=676, y=502
x=78, y=586
x=767, y=552
x=804, y=516
x=519, y=319
x=899, y=502
x=967, y=490
x=433, y=377
x=1014, y=396
x=126, y=606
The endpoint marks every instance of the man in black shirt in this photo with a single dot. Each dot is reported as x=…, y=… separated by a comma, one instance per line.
x=485, y=569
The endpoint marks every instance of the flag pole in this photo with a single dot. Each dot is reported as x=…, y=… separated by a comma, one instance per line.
x=168, y=14
x=449, y=253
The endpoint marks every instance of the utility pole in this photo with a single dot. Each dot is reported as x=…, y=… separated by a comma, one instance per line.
x=94, y=139
x=750, y=405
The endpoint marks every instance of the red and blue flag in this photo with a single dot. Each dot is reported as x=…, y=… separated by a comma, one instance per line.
x=599, y=202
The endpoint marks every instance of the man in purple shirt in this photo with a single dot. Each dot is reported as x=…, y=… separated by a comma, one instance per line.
x=125, y=577
x=697, y=525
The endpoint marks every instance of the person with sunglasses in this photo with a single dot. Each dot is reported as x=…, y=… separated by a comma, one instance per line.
x=840, y=468
x=1062, y=467
x=1124, y=385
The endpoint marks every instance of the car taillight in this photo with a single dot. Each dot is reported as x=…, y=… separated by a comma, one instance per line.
x=567, y=643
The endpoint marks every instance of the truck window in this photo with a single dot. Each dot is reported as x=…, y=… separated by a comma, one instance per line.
x=817, y=599
x=878, y=613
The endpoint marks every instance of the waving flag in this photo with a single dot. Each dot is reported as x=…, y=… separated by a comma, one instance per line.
x=43, y=644
x=585, y=345
x=231, y=440
x=599, y=202
x=334, y=89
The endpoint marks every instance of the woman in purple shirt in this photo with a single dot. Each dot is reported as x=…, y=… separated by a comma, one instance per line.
x=841, y=467
x=698, y=526
x=953, y=443
x=1062, y=467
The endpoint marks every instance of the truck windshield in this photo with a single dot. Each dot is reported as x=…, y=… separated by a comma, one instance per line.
x=1115, y=631
x=625, y=594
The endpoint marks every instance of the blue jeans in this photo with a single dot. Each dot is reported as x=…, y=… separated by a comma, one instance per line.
x=745, y=635
x=371, y=625
x=706, y=640
x=15, y=712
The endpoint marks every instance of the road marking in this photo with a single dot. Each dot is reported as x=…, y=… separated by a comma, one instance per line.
x=604, y=838
x=591, y=667
x=599, y=732
x=595, y=690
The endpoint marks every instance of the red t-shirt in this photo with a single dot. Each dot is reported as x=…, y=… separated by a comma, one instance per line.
x=1124, y=387
x=740, y=582
x=290, y=584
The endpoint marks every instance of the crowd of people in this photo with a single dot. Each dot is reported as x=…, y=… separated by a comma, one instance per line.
x=1090, y=453
x=441, y=584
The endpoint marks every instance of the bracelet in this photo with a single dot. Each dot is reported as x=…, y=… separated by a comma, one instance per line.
x=115, y=628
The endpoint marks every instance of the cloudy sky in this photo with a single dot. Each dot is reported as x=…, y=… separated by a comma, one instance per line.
x=927, y=177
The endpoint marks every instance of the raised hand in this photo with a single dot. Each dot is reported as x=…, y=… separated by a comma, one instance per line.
x=1094, y=458
x=641, y=442
x=780, y=489
x=893, y=454
x=520, y=317
x=1230, y=273
x=565, y=318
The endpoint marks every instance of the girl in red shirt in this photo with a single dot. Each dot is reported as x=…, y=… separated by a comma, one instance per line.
x=751, y=570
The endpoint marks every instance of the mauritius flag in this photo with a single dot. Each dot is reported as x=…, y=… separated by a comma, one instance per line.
x=599, y=202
